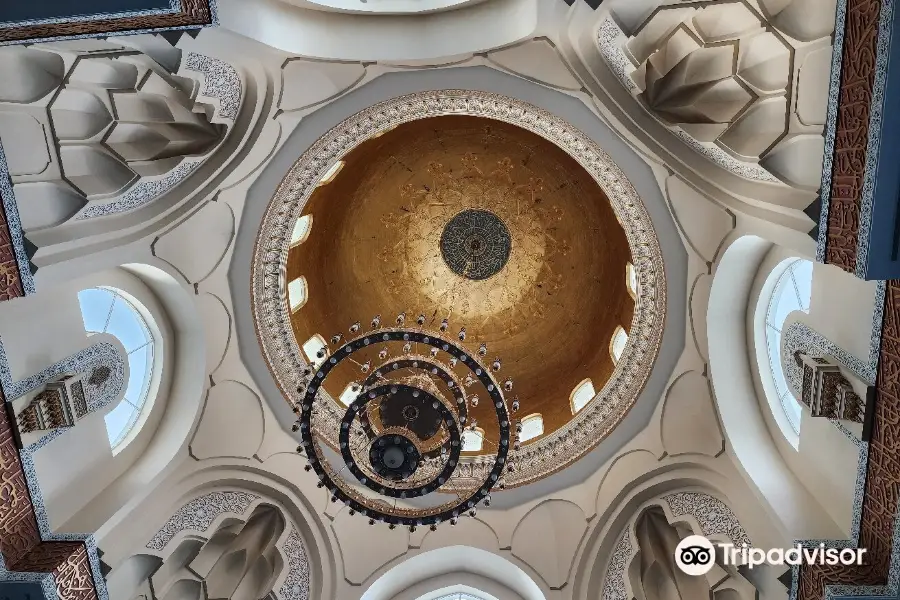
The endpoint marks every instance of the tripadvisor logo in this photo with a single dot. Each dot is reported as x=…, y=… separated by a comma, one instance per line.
x=696, y=555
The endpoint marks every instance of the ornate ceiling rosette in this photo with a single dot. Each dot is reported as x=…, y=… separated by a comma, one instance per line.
x=552, y=452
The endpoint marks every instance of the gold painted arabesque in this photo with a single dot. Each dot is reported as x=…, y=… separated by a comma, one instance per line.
x=473, y=179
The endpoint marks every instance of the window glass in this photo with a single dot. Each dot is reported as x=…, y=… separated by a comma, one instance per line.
x=532, y=427
x=106, y=310
x=297, y=293
x=302, y=227
x=792, y=292
x=583, y=393
x=618, y=343
x=473, y=440
x=311, y=348
x=631, y=279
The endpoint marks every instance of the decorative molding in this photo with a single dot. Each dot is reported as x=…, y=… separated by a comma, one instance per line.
x=15, y=269
x=141, y=193
x=799, y=336
x=712, y=515
x=584, y=432
x=614, y=587
x=220, y=82
x=296, y=584
x=174, y=7
x=609, y=41
x=181, y=14
x=199, y=514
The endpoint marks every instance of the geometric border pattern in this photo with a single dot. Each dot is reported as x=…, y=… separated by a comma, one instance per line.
x=714, y=517
x=852, y=135
x=183, y=14
x=296, y=584
x=221, y=82
x=594, y=423
x=199, y=514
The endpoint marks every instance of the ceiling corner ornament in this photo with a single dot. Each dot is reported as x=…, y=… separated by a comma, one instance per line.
x=222, y=83
x=729, y=83
x=589, y=427
x=199, y=514
x=713, y=516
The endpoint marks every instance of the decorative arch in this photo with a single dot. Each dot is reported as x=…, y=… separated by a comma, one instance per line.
x=431, y=572
x=688, y=513
x=796, y=511
x=201, y=534
x=180, y=390
x=788, y=288
x=112, y=311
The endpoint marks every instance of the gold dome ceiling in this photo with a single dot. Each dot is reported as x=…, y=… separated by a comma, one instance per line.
x=549, y=309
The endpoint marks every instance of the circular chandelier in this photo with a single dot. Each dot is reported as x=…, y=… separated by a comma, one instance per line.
x=407, y=417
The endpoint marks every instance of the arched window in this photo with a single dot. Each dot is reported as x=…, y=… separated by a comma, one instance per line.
x=581, y=395
x=331, y=173
x=107, y=310
x=302, y=227
x=350, y=393
x=311, y=348
x=631, y=281
x=617, y=344
x=791, y=292
x=473, y=440
x=532, y=427
x=297, y=293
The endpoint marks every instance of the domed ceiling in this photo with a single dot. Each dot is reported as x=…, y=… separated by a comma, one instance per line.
x=457, y=215
x=482, y=223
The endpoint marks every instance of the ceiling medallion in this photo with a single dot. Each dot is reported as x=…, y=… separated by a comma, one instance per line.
x=590, y=426
x=476, y=244
x=402, y=435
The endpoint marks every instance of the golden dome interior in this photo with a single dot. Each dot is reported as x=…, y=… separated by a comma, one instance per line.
x=375, y=248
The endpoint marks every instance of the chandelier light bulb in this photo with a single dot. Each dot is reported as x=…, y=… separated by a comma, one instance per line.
x=407, y=348
x=496, y=364
x=454, y=361
x=365, y=366
x=515, y=404
x=462, y=334
x=445, y=323
x=355, y=327
x=401, y=319
x=376, y=321
x=383, y=354
x=336, y=338
x=320, y=353
x=420, y=320
x=508, y=384
x=434, y=352
x=474, y=401
x=482, y=350
x=295, y=427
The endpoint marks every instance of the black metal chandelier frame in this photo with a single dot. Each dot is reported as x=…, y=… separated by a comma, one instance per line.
x=453, y=417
